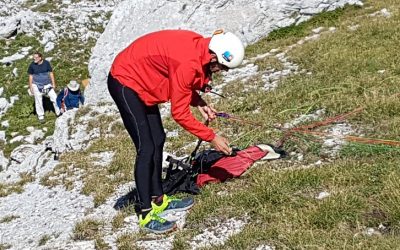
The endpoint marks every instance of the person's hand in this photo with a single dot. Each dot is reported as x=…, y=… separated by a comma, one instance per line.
x=221, y=144
x=207, y=112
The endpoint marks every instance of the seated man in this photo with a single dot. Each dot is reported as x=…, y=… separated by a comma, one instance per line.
x=41, y=82
x=70, y=97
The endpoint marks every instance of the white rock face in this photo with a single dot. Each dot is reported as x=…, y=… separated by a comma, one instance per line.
x=335, y=141
x=80, y=138
x=17, y=56
x=4, y=105
x=23, y=21
x=322, y=195
x=3, y=136
x=3, y=161
x=24, y=159
x=55, y=213
x=305, y=118
x=218, y=234
x=5, y=124
x=251, y=20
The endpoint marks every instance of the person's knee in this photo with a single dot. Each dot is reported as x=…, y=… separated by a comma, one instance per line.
x=160, y=140
x=146, y=152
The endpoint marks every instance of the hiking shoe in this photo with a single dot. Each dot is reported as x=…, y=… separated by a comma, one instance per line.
x=41, y=120
x=155, y=224
x=170, y=204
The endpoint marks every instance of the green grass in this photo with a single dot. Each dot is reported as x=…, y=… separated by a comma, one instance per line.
x=44, y=239
x=17, y=187
x=126, y=241
x=87, y=229
x=279, y=198
x=67, y=65
x=4, y=246
x=8, y=218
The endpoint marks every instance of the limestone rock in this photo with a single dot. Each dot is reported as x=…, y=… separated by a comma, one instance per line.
x=251, y=20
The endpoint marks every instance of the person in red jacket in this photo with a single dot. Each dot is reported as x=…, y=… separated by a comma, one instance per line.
x=168, y=65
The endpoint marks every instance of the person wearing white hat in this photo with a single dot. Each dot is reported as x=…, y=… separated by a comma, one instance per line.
x=70, y=97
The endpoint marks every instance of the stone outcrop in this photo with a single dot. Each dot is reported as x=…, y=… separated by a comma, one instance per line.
x=251, y=20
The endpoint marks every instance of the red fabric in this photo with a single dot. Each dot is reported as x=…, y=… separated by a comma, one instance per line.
x=230, y=167
x=168, y=65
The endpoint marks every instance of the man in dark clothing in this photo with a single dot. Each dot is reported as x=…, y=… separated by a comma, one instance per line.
x=41, y=82
x=169, y=65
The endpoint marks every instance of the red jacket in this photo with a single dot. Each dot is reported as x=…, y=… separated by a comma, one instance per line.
x=169, y=65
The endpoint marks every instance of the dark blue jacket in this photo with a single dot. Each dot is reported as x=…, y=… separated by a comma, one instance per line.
x=71, y=100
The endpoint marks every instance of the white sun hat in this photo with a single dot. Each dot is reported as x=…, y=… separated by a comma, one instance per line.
x=73, y=85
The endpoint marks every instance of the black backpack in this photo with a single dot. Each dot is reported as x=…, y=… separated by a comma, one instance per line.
x=180, y=176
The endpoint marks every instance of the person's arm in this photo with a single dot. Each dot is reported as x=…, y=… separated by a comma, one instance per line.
x=206, y=111
x=30, y=80
x=51, y=74
x=82, y=98
x=181, y=98
x=60, y=96
x=53, y=82
x=220, y=143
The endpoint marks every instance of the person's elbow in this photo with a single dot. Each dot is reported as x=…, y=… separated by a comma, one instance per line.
x=177, y=116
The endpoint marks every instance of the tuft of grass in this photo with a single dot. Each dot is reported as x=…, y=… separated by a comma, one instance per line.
x=18, y=187
x=127, y=241
x=323, y=19
x=5, y=246
x=8, y=218
x=100, y=244
x=87, y=229
x=118, y=220
x=389, y=200
x=44, y=239
x=356, y=150
x=269, y=63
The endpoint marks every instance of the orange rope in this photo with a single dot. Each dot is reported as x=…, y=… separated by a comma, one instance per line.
x=329, y=120
x=354, y=138
x=306, y=129
x=316, y=124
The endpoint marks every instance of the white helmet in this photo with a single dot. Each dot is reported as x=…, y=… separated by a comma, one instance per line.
x=228, y=48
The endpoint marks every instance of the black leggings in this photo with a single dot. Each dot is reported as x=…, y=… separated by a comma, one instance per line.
x=146, y=130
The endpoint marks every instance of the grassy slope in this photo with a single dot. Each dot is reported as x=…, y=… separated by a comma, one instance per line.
x=68, y=59
x=363, y=182
x=280, y=200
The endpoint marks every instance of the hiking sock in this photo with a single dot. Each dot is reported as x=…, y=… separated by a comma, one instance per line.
x=158, y=200
x=144, y=212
